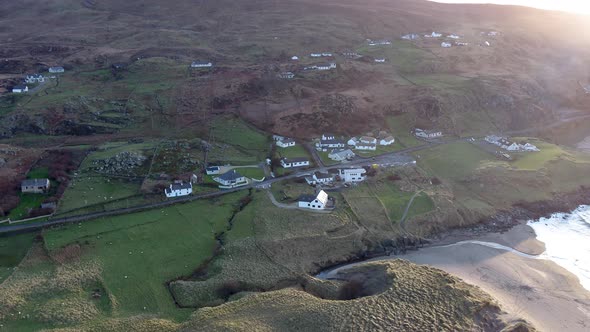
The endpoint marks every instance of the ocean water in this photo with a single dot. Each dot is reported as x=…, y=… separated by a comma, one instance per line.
x=567, y=241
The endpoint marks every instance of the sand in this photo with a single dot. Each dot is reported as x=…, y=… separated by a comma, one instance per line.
x=540, y=291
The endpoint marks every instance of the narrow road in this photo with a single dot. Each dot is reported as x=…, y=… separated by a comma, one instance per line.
x=279, y=205
x=314, y=154
x=402, y=221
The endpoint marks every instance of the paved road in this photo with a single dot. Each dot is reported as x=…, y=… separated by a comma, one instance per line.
x=386, y=159
x=314, y=154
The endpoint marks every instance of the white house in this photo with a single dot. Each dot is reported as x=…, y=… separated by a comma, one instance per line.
x=366, y=146
x=341, y=154
x=378, y=42
x=319, y=178
x=350, y=54
x=314, y=202
x=56, y=69
x=352, y=141
x=231, y=178
x=286, y=142
x=34, y=78
x=529, y=147
x=433, y=35
x=286, y=75
x=452, y=36
x=20, y=89
x=295, y=58
x=212, y=170
x=368, y=140
x=179, y=189
x=327, y=54
x=410, y=36
x=294, y=162
x=493, y=33
x=427, y=133
x=380, y=60
x=445, y=45
x=513, y=147
x=461, y=43
x=316, y=55
x=326, y=137
x=278, y=137
x=201, y=64
x=325, y=66
x=387, y=140
x=325, y=144
x=352, y=174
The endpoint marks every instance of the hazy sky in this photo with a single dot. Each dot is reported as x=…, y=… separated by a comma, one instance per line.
x=576, y=6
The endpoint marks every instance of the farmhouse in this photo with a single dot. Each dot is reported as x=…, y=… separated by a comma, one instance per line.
x=427, y=133
x=201, y=64
x=433, y=35
x=286, y=142
x=56, y=70
x=325, y=66
x=387, y=140
x=34, y=78
x=452, y=36
x=341, y=154
x=295, y=58
x=294, y=162
x=368, y=140
x=352, y=174
x=325, y=144
x=410, y=36
x=328, y=136
x=314, y=202
x=211, y=170
x=461, y=43
x=350, y=54
x=286, y=75
x=35, y=186
x=380, y=60
x=20, y=89
x=316, y=55
x=378, y=42
x=319, y=178
x=366, y=146
x=445, y=45
x=353, y=141
x=231, y=178
x=179, y=189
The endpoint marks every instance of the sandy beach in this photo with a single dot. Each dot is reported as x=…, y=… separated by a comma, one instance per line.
x=540, y=291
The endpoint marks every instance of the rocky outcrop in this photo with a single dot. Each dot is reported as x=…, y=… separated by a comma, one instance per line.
x=124, y=163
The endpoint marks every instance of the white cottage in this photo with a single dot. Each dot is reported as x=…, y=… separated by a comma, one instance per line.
x=427, y=133
x=20, y=89
x=387, y=140
x=366, y=146
x=325, y=144
x=295, y=58
x=445, y=45
x=201, y=64
x=294, y=162
x=314, y=202
x=286, y=142
x=56, y=70
x=34, y=78
x=319, y=178
x=326, y=66
x=380, y=60
x=179, y=189
x=287, y=75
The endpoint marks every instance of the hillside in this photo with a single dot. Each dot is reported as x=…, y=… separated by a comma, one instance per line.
x=526, y=78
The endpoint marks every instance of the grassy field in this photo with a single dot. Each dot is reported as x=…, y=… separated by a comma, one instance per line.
x=31, y=201
x=251, y=172
x=86, y=191
x=401, y=126
x=12, y=250
x=247, y=145
x=292, y=152
x=139, y=252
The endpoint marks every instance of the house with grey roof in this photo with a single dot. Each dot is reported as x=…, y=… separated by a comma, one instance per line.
x=231, y=179
x=20, y=88
x=318, y=201
x=56, y=69
x=341, y=154
x=179, y=189
x=35, y=186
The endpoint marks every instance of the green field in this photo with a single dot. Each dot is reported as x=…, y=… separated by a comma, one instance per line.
x=237, y=143
x=12, y=250
x=251, y=172
x=292, y=152
x=139, y=252
x=31, y=201
x=401, y=127
x=86, y=190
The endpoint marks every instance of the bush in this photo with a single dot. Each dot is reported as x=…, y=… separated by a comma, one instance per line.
x=394, y=177
x=435, y=181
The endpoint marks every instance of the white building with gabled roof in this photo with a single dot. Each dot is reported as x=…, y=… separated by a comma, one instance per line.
x=318, y=201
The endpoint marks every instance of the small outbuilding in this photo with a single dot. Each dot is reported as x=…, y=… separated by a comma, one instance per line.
x=56, y=70
x=20, y=89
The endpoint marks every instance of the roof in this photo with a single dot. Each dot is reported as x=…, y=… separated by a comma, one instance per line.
x=331, y=141
x=388, y=138
x=295, y=160
x=201, y=63
x=367, y=138
x=321, y=196
x=322, y=175
x=325, y=64
x=287, y=140
x=34, y=182
x=342, y=152
x=365, y=144
x=180, y=186
x=20, y=87
x=230, y=176
x=307, y=198
x=212, y=168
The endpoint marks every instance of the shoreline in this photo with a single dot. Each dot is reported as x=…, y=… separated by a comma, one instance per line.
x=526, y=286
